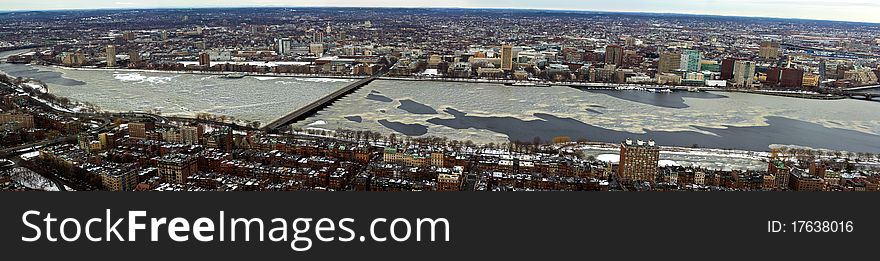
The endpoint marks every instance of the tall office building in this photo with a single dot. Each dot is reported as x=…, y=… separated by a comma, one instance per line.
x=743, y=73
x=176, y=168
x=73, y=59
x=690, y=60
x=507, y=57
x=138, y=130
x=129, y=35
x=204, y=59
x=316, y=49
x=318, y=37
x=727, y=68
x=191, y=134
x=669, y=62
x=107, y=140
x=111, y=55
x=16, y=121
x=614, y=55
x=631, y=41
x=134, y=57
x=769, y=50
x=434, y=61
x=282, y=46
x=639, y=161
x=785, y=77
x=119, y=179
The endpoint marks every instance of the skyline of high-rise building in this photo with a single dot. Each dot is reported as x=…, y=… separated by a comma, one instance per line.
x=690, y=60
x=669, y=62
x=743, y=73
x=507, y=57
x=472, y=81
x=316, y=49
x=769, y=50
x=204, y=59
x=727, y=67
x=614, y=55
x=111, y=55
x=134, y=57
x=283, y=46
x=639, y=161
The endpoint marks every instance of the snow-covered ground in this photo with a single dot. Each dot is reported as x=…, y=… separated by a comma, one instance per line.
x=615, y=158
x=686, y=157
x=36, y=86
x=29, y=155
x=5, y=162
x=32, y=180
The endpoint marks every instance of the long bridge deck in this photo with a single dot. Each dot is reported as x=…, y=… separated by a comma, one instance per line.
x=860, y=88
x=316, y=106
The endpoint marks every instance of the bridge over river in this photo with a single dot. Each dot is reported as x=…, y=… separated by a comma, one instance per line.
x=318, y=105
x=870, y=92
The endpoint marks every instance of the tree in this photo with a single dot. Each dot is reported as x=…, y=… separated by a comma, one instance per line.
x=561, y=139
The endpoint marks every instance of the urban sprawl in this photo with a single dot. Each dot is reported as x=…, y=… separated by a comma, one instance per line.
x=53, y=143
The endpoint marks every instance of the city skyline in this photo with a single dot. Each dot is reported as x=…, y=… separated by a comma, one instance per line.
x=433, y=99
x=855, y=10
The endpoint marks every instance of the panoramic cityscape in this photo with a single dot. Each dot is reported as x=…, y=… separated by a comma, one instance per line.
x=435, y=99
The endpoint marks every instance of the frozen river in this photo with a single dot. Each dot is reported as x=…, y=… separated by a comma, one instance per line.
x=251, y=98
x=487, y=113
x=496, y=113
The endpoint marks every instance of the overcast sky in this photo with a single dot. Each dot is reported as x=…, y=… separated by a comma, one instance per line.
x=843, y=10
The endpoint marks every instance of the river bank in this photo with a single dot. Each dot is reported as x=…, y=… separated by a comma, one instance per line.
x=801, y=95
x=214, y=73
x=507, y=82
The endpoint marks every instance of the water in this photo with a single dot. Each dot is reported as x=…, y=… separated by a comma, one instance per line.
x=251, y=98
x=496, y=113
x=487, y=113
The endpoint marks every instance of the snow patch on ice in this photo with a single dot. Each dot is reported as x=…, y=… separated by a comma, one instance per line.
x=140, y=78
x=320, y=122
x=612, y=158
x=323, y=80
x=667, y=163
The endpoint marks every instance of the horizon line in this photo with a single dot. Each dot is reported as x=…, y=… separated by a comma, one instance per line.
x=430, y=7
